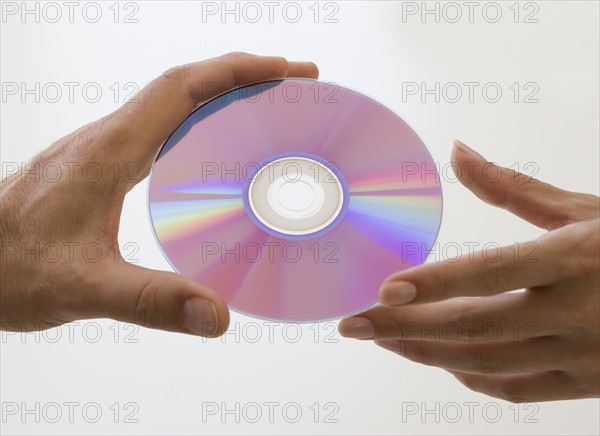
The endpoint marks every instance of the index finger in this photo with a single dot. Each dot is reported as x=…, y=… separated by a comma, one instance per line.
x=482, y=273
x=165, y=102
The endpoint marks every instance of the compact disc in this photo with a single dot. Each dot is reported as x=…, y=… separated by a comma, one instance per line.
x=294, y=199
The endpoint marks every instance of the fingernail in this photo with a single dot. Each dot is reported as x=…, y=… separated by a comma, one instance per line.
x=397, y=293
x=467, y=150
x=357, y=327
x=199, y=316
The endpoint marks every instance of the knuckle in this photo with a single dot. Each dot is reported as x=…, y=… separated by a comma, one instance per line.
x=484, y=362
x=108, y=135
x=581, y=238
x=146, y=308
x=415, y=352
x=497, y=274
x=510, y=390
x=582, y=207
x=581, y=355
x=443, y=283
x=236, y=55
x=469, y=382
x=588, y=242
x=472, y=322
x=175, y=75
x=281, y=62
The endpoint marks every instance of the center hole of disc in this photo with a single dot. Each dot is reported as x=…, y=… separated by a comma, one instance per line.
x=296, y=195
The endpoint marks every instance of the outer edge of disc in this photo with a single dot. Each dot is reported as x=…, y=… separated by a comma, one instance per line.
x=274, y=82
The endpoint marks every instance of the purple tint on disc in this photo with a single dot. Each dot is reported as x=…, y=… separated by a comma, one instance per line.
x=199, y=210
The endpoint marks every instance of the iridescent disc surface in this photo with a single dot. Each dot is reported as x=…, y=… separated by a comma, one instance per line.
x=387, y=194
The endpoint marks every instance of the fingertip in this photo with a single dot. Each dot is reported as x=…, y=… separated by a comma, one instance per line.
x=307, y=70
x=313, y=72
x=458, y=143
x=317, y=71
x=200, y=321
x=223, y=316
x=397, y=293
x=385, y=295
x=455, y=150
x=343, y=327
x=356, y=327
x=460, y=151
x=199, y=316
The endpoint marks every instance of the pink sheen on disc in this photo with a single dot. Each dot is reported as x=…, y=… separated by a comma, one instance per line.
x=294, y=199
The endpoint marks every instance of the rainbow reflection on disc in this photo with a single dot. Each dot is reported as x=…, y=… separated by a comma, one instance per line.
x=293, y=199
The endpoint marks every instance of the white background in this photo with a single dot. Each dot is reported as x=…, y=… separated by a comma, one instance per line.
x=373, y=48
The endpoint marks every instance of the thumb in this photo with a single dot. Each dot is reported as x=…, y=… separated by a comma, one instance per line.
x=537, y=202
x=160, y=300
